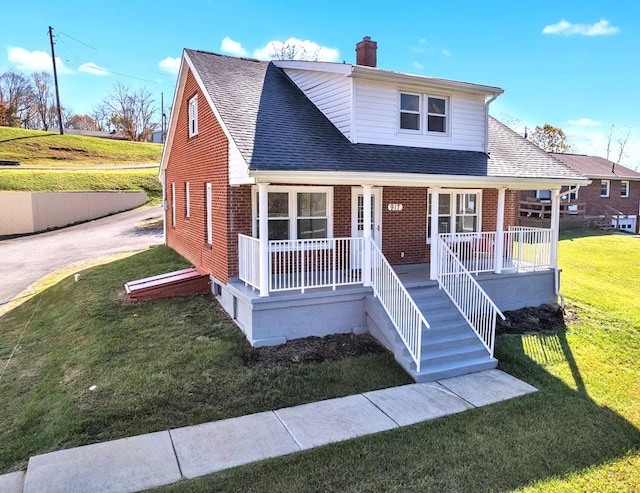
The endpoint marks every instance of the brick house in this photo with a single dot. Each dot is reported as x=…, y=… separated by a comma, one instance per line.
x=614, y=192
x=346, y=163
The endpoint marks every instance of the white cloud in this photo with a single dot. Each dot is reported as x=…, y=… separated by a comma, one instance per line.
x=34, y=61
x=305, y=50
x=232, y=47
x=584, y=122
x=600, y=28
x=93, y=69
x=170, y=64
x=417, y=65
x=446, y=52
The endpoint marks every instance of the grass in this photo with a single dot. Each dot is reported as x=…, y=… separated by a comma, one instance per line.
x=156, y=365
x=164, y=364
x=580, y=432
x=83, y=180
x=35, y=147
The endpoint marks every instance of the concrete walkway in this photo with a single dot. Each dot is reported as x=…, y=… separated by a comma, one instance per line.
x=161, y=458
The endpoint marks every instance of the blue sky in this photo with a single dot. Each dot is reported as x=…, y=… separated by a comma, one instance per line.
x=573, y=64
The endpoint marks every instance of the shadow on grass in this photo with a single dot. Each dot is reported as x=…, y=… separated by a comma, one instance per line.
x=29, y=137
x=552, y=433
x=575, y=233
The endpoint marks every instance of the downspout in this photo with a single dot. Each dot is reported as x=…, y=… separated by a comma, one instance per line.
x=556, y=269
x=486, y=119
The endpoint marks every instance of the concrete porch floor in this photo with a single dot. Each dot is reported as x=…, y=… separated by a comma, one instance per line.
x=161, y=458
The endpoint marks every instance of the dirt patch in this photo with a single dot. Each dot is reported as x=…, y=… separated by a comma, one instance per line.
x=544, y=318
x=315, y=350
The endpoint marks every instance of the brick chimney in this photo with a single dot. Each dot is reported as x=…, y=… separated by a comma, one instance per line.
x=366, y=52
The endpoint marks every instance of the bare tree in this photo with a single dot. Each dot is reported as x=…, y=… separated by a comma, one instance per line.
x=52, y=116
x=41, y=97
x=132, y=111
x=622, y=143
x=102, y=117
x=16, y=93
x=550, y=139
x=290, y=50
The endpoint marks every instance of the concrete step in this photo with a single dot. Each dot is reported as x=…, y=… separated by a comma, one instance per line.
x=449, y=369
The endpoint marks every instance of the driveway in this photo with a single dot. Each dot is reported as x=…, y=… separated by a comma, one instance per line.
x=29, y=258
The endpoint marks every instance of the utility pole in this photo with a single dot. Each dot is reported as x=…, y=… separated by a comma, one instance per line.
x=55, y=80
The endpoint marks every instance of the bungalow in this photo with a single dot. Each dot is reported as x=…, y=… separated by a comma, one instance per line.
x=334, y=198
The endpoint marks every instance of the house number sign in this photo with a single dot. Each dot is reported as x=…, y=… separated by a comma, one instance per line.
x=394, y=207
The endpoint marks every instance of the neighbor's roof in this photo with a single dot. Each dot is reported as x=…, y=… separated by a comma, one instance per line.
x=277, y=128
x=597, y=167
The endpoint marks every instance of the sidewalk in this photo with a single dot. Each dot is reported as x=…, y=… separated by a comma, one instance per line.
x=161, y=458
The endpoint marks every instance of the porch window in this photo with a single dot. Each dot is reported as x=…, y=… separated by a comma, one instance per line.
x=458, y=212
x=624, y=189
x=297, y=214
x=604, y=188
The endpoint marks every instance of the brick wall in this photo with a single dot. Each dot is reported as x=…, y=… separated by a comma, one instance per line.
x=595, y=205
x=405, y=230
x=199, y=160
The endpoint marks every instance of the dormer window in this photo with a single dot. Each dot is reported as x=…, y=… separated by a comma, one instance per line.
x=193, y=116
x=418, y=111
x=410, y=111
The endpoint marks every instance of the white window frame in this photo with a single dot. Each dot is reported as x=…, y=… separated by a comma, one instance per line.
x=187, y=199
x=626, y=189
x=173, y=204
x=602, y=183
x=570, y=196
x=293, y=207
x=193, y=116
x=539, y=194
x=424, y=113
x=208, y=214
x=453, y=214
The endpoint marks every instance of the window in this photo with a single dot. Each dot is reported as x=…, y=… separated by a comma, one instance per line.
x=193, y=116
x=543, y=194
x=604, y=188
x=300, y=214
x=571, y=197
x=187, y=200
x=458, y=212
x=624, y=189
x=411, y=111
x=209, y=203
x=173, y=205
x=436, y=115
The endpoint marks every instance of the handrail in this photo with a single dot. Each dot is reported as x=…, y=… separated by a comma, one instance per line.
x=249, y=260
x=405, y=315
x=470, y=299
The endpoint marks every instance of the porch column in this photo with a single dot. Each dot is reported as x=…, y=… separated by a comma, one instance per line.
x=499, y=246
x=435, y=258
x=366, y=233
x=263, y=236
x=555, y=226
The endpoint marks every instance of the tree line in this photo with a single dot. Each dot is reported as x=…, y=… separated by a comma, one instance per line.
x=29, y=102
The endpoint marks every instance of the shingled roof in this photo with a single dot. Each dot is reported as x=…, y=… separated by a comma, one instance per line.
x=276, y=127
x=597, y=167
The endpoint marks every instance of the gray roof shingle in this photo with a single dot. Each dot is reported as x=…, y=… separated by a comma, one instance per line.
x=276, y=127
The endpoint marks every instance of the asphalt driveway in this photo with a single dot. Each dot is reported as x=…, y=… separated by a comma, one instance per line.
x=29, y=258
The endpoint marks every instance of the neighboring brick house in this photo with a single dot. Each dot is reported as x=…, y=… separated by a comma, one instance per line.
x=346, y=163
x=613, y=189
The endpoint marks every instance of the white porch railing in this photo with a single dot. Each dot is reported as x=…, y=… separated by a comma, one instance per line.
x=524, y=249
x=398, y=303
x=249, y=260
x=527, y=249
x=317, y=263
x=467, y=295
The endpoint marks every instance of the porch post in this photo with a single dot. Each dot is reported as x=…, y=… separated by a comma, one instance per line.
x=366, y=233
x=263, y=236
x=555, y=226
x=499, y=246
x=435, y=258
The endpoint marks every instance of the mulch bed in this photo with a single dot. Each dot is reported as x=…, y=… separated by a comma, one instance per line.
x=544, y=318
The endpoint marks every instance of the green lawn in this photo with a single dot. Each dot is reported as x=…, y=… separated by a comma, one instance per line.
x=168, y=363
x=156, y=365
x=580, y=432
x=35, y=147
x=83, y=180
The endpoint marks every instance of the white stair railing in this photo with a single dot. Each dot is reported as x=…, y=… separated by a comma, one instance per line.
x=398, y=303
x=470, y=299
x=249, y=260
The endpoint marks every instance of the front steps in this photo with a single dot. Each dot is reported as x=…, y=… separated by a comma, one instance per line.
x=449, y=348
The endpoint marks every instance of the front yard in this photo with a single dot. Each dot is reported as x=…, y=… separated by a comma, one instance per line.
x=170, y=363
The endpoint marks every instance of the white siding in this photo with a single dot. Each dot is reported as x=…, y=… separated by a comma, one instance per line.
x=377, y=114
x=238, y=169
x=331, y=93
